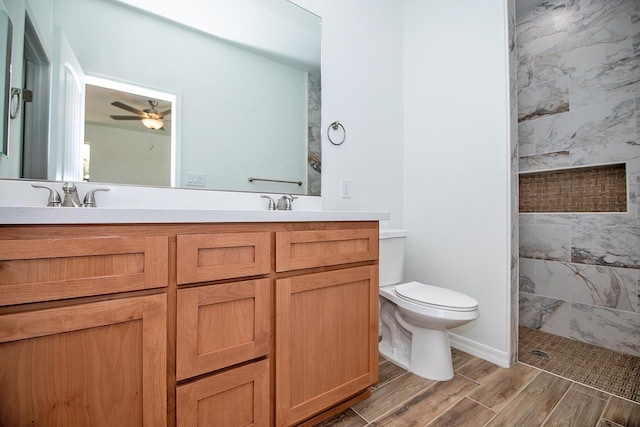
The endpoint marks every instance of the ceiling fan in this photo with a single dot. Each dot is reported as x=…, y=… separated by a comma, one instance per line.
x=150, y=117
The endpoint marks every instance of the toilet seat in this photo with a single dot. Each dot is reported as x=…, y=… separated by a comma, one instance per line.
x=435, y=297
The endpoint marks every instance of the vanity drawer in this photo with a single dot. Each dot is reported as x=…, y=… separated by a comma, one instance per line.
x=222, y=325
x=297, y=250
x=207, y=257
x=238, y=397
x=33, y=270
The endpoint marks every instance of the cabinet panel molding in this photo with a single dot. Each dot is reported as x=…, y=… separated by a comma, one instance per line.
x=237, y=397
x=100, y=363
x=297, y=250
x=222, y=325
x=208, y=257
x=33, y=270
x=326, y=346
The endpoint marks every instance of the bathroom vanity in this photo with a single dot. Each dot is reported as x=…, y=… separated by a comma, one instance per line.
x=266, y=322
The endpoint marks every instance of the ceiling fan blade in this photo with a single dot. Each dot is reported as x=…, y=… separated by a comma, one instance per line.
x=126, y=118
x=126, y=107
x=166, y=112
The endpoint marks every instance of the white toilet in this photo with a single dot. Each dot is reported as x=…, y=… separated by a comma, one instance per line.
x=415, y=317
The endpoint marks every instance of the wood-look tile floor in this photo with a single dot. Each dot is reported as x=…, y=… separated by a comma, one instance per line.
x=483, y=394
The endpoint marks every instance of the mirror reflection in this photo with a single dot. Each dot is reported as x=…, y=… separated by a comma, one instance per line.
x=239, y=108
x=6, y=38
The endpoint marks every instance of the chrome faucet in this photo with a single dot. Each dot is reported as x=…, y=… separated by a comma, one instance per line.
x=286, y=202
x=70, y=195
x=71, y=198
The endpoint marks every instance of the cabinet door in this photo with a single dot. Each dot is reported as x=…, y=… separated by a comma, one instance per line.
x=234, y=398
x=326, y=340
x=34, y=270
x=208, y=257
x=221, y=325
x=297, y=250
x=94, y=364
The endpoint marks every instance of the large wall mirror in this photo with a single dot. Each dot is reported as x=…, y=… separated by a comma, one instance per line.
x=239, y=82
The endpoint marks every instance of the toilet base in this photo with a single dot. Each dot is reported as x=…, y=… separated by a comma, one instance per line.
x=430, y=354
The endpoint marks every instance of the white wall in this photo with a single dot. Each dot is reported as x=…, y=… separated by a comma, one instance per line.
x=456, y=158
x=362, y=88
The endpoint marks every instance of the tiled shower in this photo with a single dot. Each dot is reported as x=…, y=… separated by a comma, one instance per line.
x=578, y=84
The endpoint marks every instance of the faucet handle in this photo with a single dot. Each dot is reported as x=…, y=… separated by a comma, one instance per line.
x=272, y=203
x=90, y=197
x=54, y=196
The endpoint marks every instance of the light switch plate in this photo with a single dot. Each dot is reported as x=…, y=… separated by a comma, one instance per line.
x=345, y=188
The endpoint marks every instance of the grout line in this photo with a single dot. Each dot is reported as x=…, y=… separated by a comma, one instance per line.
x=418, y=393
x=446, y=410
x=482, y=404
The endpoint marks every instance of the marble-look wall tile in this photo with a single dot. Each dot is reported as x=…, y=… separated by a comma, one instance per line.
x=552, y=218
x=540, y=162
x=588, y=220
x=543, y=99
x=586, y=14
x=637, y=114
x=616, y=152
x=513, y=58
x=593, y=46
x=613, y=329
x=551, y=242
x=545, y=314
x=635, y=26
x=585, y=51
x=612, y=123
x=513, y=324
x=524, y=218
x=612, y=82
x=527, y=268
x=515, y=221
x=513, y=121
x=609, y=246
x=587, y=284
x=526, y=138
x=541, y=27
x=314, y=153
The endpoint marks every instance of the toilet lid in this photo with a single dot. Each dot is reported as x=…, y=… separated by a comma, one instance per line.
x=436, y=297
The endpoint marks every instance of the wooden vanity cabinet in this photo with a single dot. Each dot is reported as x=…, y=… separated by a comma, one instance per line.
x=69, y=355
x=186, y=324
x=326, y=322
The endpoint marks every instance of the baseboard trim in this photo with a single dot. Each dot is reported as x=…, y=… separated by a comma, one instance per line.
x=482, y=351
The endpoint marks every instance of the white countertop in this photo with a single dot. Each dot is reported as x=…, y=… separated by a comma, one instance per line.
x=60, y=215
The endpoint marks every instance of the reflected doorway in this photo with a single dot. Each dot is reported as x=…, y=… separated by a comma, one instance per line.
x=129, y=134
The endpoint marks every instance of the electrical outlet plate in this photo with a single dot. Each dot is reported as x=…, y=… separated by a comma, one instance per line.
x=195, y=179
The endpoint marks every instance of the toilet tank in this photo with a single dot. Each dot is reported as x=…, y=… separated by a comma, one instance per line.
x=391, y=256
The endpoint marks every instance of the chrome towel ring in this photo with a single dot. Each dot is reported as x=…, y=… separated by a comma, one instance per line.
x=335, y=127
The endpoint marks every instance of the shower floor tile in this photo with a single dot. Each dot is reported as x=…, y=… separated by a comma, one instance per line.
x=600, y=368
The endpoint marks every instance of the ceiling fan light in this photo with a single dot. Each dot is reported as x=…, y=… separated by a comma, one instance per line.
x=153, y=124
